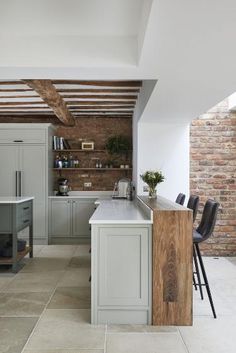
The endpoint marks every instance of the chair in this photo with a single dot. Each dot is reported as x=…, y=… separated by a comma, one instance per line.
x=193, y=203
x=180, y=199
x=201, y=234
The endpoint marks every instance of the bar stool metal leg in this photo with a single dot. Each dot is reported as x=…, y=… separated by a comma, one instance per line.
x=194, y=281
x=197, y=272
x=205, y=279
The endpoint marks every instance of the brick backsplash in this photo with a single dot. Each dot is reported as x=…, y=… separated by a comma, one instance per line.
x=213, y=173
x=97, y=129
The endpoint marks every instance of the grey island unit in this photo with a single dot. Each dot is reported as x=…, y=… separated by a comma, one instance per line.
x=141, y=269
x=16, y=213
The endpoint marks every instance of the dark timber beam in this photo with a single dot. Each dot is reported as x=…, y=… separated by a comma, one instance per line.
x=52, y=98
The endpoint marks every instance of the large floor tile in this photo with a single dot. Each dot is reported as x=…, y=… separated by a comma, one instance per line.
x=66, y=329
x=34, y=282
x=22, y=304
x=145, y=343
x=82, y=250
x=80, y=261
x=5, y=279
x=76, y=277
x=71, y=298
x=14, y=333
x=45, y=264
x=57, y=251
x=210, y=335
x=139, y=328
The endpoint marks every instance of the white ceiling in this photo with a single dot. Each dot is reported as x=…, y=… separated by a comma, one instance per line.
x=188, y=46
x=70, y=17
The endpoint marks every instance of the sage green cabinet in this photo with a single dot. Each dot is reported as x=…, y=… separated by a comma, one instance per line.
x=69, y=219
x=121, y=273
x=25, y=159
x=60, y=220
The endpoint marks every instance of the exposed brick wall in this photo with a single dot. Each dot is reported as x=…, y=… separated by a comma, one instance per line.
x=213, y=173
x=98, y=130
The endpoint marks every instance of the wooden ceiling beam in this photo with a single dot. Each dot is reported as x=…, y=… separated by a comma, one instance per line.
x=106, y=107
x=16, y=89
x=99, y=83
x=19, y=96
x=11, y=83
x=100, y=102
x=22, y=103
x=52, y=98
x=97, y=90
x=102, y=96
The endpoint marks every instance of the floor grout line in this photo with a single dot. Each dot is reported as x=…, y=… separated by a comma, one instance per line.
x=182, y=339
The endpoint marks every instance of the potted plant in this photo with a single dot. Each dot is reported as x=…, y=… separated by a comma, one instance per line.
x=117, y=146
x=152, y=178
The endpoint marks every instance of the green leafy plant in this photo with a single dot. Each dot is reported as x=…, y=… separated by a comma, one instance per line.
x=152, y=178
x=118, y=145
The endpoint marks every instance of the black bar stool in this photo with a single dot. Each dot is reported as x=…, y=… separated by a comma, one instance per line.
x=193, y=204
x=180, y=199
x=202, y=233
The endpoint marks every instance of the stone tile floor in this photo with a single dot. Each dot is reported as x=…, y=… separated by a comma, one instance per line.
x=45, y=308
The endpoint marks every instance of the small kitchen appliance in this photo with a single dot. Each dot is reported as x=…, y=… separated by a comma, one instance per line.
x=63, y=187
x=123, y=189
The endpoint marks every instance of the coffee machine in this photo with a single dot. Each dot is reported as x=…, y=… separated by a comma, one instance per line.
x=63, y=187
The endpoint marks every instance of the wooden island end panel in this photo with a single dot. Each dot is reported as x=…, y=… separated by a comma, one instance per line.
x=172, y=268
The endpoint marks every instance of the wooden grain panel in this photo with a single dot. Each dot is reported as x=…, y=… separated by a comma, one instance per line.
x=172, y=266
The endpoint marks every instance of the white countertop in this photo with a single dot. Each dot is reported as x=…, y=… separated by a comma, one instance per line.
x=13, y=199
x=119, y=212
x=84, y=194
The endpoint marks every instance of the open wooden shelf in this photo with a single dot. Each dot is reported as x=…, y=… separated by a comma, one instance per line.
x=67, y=169
x=78, y=150
x=20, y=255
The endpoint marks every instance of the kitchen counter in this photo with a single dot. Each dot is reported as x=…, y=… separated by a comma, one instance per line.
x=14, y=200
x=84, y=194
x=119, y=212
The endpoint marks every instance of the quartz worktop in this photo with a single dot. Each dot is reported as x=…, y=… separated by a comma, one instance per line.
x=15, y=200
x=115, y=211
x=84, y=194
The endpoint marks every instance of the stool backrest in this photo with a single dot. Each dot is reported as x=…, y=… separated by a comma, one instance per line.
x=208, y=220
x=180, y=199
x=193, y=203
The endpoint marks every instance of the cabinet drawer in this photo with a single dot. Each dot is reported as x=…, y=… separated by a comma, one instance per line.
x=19, y=136
x=23, y=214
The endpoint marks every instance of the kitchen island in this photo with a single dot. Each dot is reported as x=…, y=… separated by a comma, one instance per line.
x=141, y=263
x=16, y=213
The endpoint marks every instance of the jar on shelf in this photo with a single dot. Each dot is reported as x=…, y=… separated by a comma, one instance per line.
x=65, y=162
x=58, y=162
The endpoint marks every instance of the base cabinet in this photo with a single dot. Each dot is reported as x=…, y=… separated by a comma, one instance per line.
x=121, y=274
x=69, y=220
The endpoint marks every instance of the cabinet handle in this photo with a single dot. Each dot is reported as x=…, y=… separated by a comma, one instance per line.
x=68, y=201
x=25, y=208
x=18, y=141
x=26, y=221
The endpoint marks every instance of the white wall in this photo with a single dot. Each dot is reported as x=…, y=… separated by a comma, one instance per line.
x=165, y=147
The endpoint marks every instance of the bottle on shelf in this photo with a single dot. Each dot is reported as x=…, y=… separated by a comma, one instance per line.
x=71, y=161
x=65, y=162
x=76, y=162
